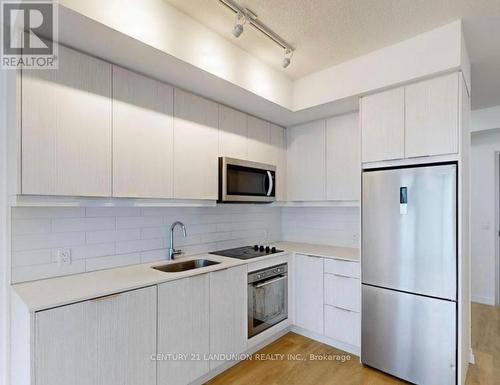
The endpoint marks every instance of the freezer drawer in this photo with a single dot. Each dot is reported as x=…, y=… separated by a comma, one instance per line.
x=409, y=336
x=410, y=230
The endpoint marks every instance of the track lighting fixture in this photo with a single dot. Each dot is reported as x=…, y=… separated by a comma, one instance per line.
x=238, y=25
x=288, y=57
x=244, y=15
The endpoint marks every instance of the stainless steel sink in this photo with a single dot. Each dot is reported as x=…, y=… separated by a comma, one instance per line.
x=185, y=265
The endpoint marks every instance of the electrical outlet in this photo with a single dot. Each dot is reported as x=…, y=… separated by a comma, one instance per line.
x=355, y=238
x=64, y=256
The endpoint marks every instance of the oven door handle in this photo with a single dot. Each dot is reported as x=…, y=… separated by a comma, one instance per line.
x=270, y=190
x=265, y=283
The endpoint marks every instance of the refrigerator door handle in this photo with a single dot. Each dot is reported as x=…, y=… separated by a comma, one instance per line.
x=403, y=200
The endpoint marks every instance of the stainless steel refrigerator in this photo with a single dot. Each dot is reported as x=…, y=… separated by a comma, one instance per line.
x=409, y=272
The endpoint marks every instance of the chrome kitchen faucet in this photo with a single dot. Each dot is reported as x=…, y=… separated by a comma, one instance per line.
x=171, y=251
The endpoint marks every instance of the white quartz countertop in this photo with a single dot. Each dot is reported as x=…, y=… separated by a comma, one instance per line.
x=53, y=292
x=334, y=252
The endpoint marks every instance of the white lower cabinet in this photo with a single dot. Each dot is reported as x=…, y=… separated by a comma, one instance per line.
x=342, y=325
x=228, y=313
x=309, y=293
x=106, y=341
x=183, y=330
x=342, y=291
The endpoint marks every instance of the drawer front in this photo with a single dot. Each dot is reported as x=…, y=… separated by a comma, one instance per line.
x=342, y=291
x=347, y=268
x=342, y=325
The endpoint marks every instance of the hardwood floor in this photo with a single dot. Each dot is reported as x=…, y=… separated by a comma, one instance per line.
x=287, y=370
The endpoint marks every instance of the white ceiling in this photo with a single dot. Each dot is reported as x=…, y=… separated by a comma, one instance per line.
x=328, y=32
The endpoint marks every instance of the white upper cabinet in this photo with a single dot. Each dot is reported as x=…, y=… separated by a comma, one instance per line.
x=382, y=126
x=259, y=140
x=306, y=162
x=195, y=147
x=343, y=158
x=432, y=117
x=232, y=133
x=278, y=149
x=66, y=127
x=142, y=136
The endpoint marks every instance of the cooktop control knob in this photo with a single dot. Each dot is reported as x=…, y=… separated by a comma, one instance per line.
x=256, y=247
x=273, y=249
x=268, y=249
x=261, y=248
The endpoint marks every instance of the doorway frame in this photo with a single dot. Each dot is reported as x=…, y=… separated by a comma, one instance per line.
x=497, y=228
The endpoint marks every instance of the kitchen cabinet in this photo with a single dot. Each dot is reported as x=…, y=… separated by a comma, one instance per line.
x=382, y=125
x=278, y=158
x=306, y=162
x=259, y=140
x=66, y=118
x=232, y=133
x=228, y=312
x=106, y=341
x=142, y=136
x=343, y=158
x=183, y=329
x=196, y=122
x=342, y=291
x=342, y=325
x=431, y=111
x=309, y=293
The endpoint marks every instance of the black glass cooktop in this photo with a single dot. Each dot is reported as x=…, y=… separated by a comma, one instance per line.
x=247, y=252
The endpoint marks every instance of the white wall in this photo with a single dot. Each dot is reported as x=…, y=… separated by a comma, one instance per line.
x=160, y=25
x=484, y=204
x=102, y=238
x=337, y=226
x=3, y=231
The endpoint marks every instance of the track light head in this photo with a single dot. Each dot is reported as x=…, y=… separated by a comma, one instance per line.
x=286, y=62
x=238, y=25
x=237, y=30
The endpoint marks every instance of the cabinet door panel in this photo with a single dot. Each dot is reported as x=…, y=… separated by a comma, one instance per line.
x=66, y=127
x=278, y=148
x=232, y=133
x=259, y=140
x=143, y=138
x=126, y=335
x=183, y=328
x=342, y=325
x=344, y=292
x=66, y=345
x=432, y=117
x=306, y=162
x=196, y=142
x=343, y=158
x=382, y=126
x=309, y=293
x=228, y=312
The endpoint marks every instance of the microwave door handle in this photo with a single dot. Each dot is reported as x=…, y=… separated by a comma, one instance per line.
x=270, y=190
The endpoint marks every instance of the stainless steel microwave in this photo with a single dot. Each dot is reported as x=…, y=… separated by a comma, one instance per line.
x=245, y=181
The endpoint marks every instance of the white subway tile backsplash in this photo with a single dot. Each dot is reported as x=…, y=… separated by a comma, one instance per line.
x=138, y=222
x=31, y=257
x=123, y=247
x=47, y=241
x=113, y=235
x=113, y=211
x=83, y=224
x=31, y=226
x=48, y=270
x=108, y=262
x=107, y=237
